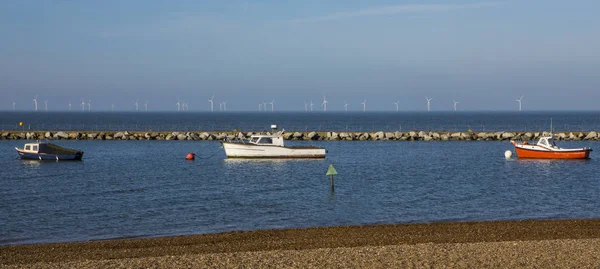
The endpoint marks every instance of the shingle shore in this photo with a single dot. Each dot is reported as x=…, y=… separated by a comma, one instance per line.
x=530, y=243
x=380, y=135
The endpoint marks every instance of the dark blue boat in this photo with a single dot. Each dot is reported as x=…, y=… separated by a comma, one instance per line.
x=48, y=151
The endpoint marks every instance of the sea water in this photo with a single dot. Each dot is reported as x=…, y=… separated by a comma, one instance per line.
x=125, y=189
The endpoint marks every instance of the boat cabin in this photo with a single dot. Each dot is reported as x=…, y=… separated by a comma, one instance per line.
x=267, y=140
x=547, y=141
x=31, y=147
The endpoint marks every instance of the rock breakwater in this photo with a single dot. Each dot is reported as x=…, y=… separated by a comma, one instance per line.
x=329, y=136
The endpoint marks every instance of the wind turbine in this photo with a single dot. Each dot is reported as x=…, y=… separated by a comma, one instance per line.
x=178, y=105
x=305, y=106
x=272, y=105
x=46, y=103
x=428, y=103
x=259, y=106
x=211, y=103
x=311, y=105
x=184, y=106
x=345, y=106
x=324, y=104
x=89, y=105
x=146, y=105
x=397, y=103
x=455, y=103
x=364, y=103
x=519, y=100
x=69, y=105
x=264, y=106
x=82, y=105
x=136, y=105
x=35, y=101
x=14, y=105
x=224, y=105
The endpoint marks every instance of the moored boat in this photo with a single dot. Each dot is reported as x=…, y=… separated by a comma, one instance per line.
x=48, y=151
x=270, y=146
x=546, y=149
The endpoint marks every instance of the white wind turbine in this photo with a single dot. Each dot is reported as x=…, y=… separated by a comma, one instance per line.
x=397, y=103
x=519, y=100
x=146, y=105
x=136, y=105
x=82, y=105
x=89, y=104
x=345, y=106
x=324, y=104
x=224, y=105
x=14, y=105
x=311, y=105
x=35, y=102
x=46, y=103
x=364, y=103
x=265, y=106
x=211, y=103
x=178, y=104
x=428, y=103
x=259, y=106
x=305, y=106
x=455, y=103
x=272, y=105
x=69, y=105
x=184, y=106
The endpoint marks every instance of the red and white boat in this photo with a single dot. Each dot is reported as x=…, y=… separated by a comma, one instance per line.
x=547, y=149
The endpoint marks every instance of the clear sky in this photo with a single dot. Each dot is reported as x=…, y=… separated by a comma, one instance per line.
x=484, y=54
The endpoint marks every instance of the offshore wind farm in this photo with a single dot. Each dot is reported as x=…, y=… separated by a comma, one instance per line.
x=438, y=120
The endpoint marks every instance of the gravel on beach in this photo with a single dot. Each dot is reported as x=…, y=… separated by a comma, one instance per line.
x=528, y=243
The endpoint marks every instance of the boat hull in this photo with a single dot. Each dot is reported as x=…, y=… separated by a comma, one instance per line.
x=546, y=154
x=53, y=157
x=251, y=151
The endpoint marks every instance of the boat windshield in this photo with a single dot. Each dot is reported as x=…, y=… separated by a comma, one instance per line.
x=254, y=140
x=266, y=140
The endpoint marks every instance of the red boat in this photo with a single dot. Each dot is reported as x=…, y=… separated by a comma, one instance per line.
x=547, y=149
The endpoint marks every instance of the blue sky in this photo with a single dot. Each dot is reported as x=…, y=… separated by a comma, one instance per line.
x=485, y=54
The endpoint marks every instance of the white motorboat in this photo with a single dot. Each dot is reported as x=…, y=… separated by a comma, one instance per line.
x=270, y=146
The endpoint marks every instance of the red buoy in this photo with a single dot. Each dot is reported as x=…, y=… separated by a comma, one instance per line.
x=190, y=156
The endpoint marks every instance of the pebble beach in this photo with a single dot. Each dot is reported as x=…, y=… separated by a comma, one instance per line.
x=497, y=244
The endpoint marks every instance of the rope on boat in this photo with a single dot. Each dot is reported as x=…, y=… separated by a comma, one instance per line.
x=192, y=155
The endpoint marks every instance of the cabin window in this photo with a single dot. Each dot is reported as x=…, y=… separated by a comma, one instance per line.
x=254, y=139
x=266, y=140
x=28, y=147
x=34, y=148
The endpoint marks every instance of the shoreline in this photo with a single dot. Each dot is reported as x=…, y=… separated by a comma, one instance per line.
x=300, y=136
x=494, y=243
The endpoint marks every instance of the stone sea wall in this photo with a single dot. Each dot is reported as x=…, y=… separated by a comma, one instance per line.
x=359, y=136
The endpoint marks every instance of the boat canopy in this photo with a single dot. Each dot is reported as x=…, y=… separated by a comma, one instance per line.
x=546, y=141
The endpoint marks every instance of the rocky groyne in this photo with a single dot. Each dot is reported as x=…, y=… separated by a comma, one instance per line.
x=329, y=136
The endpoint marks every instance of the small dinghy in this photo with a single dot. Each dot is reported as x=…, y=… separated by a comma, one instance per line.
x=48, y=151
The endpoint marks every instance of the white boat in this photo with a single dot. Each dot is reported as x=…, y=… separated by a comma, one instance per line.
x=270, y=146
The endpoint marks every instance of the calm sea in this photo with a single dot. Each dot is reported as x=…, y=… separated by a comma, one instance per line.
x=126, y=189
x=302, y=121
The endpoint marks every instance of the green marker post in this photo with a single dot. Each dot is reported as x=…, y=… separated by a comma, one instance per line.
x=330, y=172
